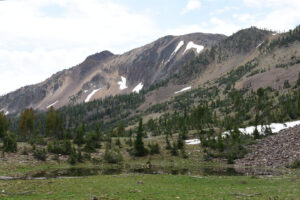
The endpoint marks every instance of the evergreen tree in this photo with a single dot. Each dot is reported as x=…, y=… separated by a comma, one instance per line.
x=27, y=123
x=298, y=81
x=256, y=133
x=79, y=136
x=121, y=129
x=3, y=125
x=9, y=143
x=139, y=148
x=50, y=122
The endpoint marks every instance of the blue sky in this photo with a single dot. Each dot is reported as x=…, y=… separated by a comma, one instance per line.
x=41, y=37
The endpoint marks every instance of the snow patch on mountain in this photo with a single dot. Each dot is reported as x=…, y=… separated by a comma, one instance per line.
x=7, y=112
x=90, y=95
x=180, y=44
x=192, y=45
x=122, y=83
x=52, y=104
x=138, y=88
x=259, y=44
x=192, y=141
x=184, y=89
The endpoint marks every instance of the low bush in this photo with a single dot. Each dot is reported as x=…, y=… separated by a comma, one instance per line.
x=40, y=154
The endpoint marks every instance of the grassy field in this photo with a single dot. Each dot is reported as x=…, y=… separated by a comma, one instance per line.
x=133, y=186
x=198, y=182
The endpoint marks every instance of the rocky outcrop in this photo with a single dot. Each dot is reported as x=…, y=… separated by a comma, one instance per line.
x=277, y=151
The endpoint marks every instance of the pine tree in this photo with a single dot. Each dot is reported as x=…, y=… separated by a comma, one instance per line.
x=121, y=129
x=139, y=148
x=3, y=125
x=256, y=133
x=9, y=143
x=298, y=81
x=27, y=123
x=50, y=122
x=79, y=137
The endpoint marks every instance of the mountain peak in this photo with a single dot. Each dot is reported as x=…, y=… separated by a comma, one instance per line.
x=100, y=56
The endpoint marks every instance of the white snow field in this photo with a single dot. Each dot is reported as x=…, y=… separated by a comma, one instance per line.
x=192, y=45
x=52, y=104
x=122, y=83
x=90, y=95
x=184, y=89
x=138, y=88
x=7, y=112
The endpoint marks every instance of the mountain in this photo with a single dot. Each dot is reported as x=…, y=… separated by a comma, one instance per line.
x=250, y=58
x=105, y=74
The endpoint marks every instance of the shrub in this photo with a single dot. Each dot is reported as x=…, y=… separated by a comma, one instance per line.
x=40, y=154
x=9, y=143
x=154, y=148
x=295, y=164
x=92, y=142
x=58, y=147
x=174, y=150
x=113, y=156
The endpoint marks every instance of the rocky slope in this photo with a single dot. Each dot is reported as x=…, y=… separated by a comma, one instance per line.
x=275, y=151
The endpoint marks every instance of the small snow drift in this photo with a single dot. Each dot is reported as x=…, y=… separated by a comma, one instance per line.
x=138, y=88
x=122, y=83
x=192, y=45
x=259, y=44
x=192, y=141
x=180, y=44
x=52, y=104
x=275, y=127
x=85, y=91
x=90, y=95
x=184, y=89
x=274, y=33
x=7, y=112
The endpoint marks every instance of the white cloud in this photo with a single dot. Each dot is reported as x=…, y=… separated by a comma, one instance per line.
x=34, y=43
x=191, y=5
x=245, y=17
x=216, y=25
x=223, y=10
x=279, y=15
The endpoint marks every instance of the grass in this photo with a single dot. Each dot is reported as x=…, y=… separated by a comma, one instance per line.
x=135, y=186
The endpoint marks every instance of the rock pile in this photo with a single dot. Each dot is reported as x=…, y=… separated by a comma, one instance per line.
x=277, y=151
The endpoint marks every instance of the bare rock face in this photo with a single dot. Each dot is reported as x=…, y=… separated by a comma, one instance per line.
x=147, y=65
x=277, y=151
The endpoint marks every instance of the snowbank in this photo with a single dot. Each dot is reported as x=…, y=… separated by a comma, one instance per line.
x=138, y=88
x=275, y=127
x=180, y=44
x=90, y=95
x=52, y=104
x=122, y=83
x=192, y=141
x=192, y=45
x=259, y=44
x=184, y=89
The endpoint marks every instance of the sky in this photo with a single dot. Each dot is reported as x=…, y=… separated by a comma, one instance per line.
x=42, y=37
